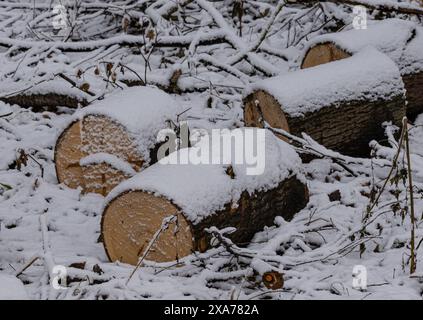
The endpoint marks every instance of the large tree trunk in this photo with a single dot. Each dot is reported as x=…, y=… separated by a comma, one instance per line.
x=131, y=220
x=201, y=196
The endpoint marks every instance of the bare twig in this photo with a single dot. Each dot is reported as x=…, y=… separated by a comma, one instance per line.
x=413, y=258
x=165, y=224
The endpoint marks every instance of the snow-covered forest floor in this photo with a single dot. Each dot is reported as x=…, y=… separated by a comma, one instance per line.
x=105, y=48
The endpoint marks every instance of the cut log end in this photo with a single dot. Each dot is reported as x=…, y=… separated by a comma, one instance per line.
x=130, y=222
x=261, y=106
x=323, y=53
x=94, y=134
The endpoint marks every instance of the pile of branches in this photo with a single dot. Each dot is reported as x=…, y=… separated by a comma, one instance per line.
x=92, y=47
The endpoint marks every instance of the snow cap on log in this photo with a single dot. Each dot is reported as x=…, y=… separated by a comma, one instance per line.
x=142, y=111
x=44, y=96
x=367, y=76
x=200, y=190
x=390, y=36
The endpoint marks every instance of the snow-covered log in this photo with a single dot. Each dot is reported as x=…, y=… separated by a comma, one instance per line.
x=340, y=105
x=41, y=102
x=401, y=40
x=113, y=139
x=201, y=196
x=60, y=91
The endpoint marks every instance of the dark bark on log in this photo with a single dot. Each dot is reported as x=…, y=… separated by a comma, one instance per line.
x=349, y=128
x=254, y=212
x=42, y=102
x=89, y=46
x=414, y=85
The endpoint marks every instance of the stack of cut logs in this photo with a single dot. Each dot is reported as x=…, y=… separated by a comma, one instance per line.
x=348, y=85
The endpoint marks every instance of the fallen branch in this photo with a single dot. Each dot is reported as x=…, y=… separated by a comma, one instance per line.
x=73, y=83
x=309, y=146
x=27, y=265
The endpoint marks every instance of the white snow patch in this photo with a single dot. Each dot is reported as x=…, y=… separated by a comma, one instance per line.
x=11, y=288
x=110, y=159
x=142, y=111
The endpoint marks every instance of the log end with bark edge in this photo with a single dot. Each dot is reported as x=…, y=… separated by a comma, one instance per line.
x=110, y=141
x=342, y=109
x=323, y=53
x=135, y=210
x=94, y=134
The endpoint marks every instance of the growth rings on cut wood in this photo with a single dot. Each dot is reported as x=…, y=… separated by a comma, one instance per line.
x=113, y=139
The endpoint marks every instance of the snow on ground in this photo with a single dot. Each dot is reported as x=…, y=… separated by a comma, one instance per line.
x=316, y=251
x=313, y=248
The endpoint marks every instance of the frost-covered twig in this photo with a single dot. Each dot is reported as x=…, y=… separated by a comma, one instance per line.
x=413, y=257
x=165, y=224
x=27, y=265
x=309, y=146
